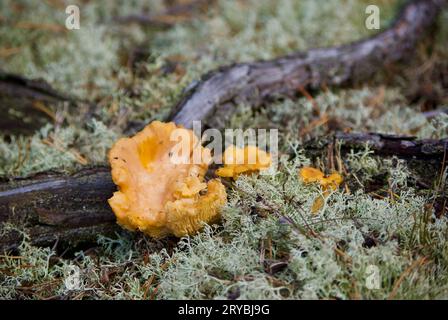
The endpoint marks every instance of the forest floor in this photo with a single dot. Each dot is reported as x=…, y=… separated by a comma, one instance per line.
x=388, y=219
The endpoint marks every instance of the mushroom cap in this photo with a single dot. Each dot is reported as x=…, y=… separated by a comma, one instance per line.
x=330, y=182
x=161, y=191
x=243, y=160
x=310, y=175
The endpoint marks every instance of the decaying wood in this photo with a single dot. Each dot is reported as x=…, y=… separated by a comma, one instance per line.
x=26, y=105
x=401, y=146
x=405, y=147
x=256, y=82
x=73, y=208
x=70, y=208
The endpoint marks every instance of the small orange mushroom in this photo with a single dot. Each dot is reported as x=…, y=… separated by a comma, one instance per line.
x=310, y=175
x=332, y=181
x=243, y=160
x=160, y=196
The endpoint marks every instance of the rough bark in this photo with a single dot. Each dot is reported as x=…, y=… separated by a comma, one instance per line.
x=256, y=82
x=73, y=208
x=405, y=147
x=51, y=206
x=401, y=146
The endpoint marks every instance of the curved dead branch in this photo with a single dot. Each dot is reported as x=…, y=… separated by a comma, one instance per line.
x=31, y=101
x=254, y=83
x=73, y=208
x=27, y=105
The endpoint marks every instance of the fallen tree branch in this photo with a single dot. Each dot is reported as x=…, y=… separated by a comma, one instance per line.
x=254, y=83
x=392, y=145
x=405, y=147
x=26, y=105
x=31, y=101
x=74, y=208
x=51, y=206
x=38, y=89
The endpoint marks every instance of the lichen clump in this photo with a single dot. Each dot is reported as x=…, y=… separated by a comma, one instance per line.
x=159, y=195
